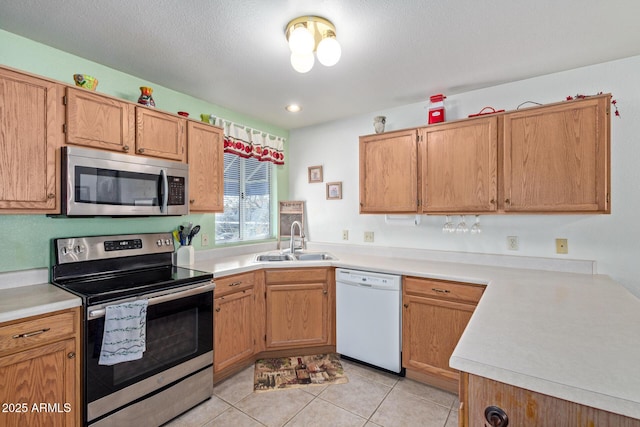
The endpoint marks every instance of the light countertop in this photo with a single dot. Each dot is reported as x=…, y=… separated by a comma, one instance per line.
x=32, y=300
x=574, y=336
x=571, y=335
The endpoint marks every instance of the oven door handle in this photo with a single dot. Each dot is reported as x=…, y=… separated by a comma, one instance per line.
x=94, y=314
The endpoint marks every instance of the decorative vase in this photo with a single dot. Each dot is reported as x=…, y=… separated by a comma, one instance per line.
x=378, y=123
x=145, y=97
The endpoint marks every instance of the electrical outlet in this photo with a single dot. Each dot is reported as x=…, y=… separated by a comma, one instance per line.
x=204, y=240
x=368, y=236
x=345, y=234
x=562, y=246
x=512, y=243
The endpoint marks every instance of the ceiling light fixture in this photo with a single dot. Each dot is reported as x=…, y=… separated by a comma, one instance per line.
x=308, y=34
x=293, y=108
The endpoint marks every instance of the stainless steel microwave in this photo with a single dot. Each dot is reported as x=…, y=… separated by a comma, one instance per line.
x=101, y=183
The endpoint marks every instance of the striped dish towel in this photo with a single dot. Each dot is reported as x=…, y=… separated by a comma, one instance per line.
x=125, y=327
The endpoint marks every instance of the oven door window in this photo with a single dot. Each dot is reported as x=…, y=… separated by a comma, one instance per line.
x=113, y=187
x=177, y=331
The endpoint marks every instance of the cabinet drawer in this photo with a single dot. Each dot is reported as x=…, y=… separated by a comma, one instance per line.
x=443, y=289
x=237, y=282
x=37, y=331
x=298, y=275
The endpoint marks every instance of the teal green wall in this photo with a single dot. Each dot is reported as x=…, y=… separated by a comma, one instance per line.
x=26, y=240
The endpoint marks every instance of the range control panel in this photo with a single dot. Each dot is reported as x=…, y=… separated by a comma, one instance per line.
x=90, y=248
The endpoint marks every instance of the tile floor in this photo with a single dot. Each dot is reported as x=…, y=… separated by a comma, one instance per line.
x=371, y=398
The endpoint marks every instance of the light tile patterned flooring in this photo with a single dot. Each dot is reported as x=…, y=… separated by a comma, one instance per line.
x=371, y=398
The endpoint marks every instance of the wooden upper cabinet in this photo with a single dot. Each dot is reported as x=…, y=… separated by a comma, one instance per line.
x=389, y=172
x=160, y=134
x=206, y=167
x=30, y=133
x=458, y=166
x=99, y=121
x=556, y=158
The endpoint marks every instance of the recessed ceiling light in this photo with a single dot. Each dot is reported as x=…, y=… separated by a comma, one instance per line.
x=293, y=108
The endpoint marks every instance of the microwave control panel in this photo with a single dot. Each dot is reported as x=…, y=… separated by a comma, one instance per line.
x=177, y=190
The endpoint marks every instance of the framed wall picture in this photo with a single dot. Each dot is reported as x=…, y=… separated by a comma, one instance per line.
x=315, y=173
x=334, y=190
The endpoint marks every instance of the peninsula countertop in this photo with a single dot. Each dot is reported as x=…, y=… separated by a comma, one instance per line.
x=574, y=336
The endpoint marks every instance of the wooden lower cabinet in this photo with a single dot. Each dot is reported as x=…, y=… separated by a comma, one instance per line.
x=435, y=313
x=300, y=306
x=525, y=408
x=40, y=371
x=236, y=321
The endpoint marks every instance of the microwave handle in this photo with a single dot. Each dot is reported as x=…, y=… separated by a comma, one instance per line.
x=165, y=191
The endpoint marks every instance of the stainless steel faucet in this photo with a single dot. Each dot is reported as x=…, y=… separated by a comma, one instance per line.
x=292, y=246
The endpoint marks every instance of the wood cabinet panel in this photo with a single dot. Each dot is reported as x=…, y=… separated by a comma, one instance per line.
x=37, y=331
x=233, y=328
x=459, y=164
x=98, y=121
x=41, y=368
x=297, y=315
x=160, y=134
x=389, y=172
x=206, y=167
x=237, y=282
x=42, y=375
x=435, y=314
x=434, y=288
x=526, y=408
x=30, y=133
x=431, y=331
x=299, y=275
x=556, y=158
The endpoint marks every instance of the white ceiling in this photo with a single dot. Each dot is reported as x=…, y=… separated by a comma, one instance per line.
x=233, y=53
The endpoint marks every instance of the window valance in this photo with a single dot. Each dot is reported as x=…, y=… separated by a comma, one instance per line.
x=246, y=142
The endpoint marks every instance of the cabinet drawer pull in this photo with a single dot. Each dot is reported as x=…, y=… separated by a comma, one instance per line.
x=235, y=283
x=441, y=291
x=31, y=334
x=71, y=355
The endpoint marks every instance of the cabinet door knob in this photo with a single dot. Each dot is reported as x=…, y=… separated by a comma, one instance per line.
x=140, y=150
x=507, y=201
x=217, y=309
x=125, y=148
x=192, y=201
x=324, y=292
x=71, y=355
x=492, y=201
x=406, y=305
x=51, y=196
x=496, y=416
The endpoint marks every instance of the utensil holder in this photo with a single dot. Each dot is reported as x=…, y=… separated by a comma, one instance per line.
x=184, y=256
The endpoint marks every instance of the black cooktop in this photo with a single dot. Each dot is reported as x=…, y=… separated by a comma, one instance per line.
x=118, y=285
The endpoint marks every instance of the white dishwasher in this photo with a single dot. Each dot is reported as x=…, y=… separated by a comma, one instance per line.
x=368, y=318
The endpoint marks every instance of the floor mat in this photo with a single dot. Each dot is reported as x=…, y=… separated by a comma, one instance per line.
x=284, y=373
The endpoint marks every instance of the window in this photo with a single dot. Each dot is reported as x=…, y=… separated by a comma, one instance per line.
x=247, y=200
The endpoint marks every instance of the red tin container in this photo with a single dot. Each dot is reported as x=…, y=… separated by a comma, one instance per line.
x=436, y=108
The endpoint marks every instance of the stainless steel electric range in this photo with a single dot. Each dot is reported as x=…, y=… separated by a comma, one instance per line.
x=175, y=371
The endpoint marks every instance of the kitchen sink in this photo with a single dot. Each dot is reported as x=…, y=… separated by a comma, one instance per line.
x=274, y=257
x=313, y=256
x=297, y=256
